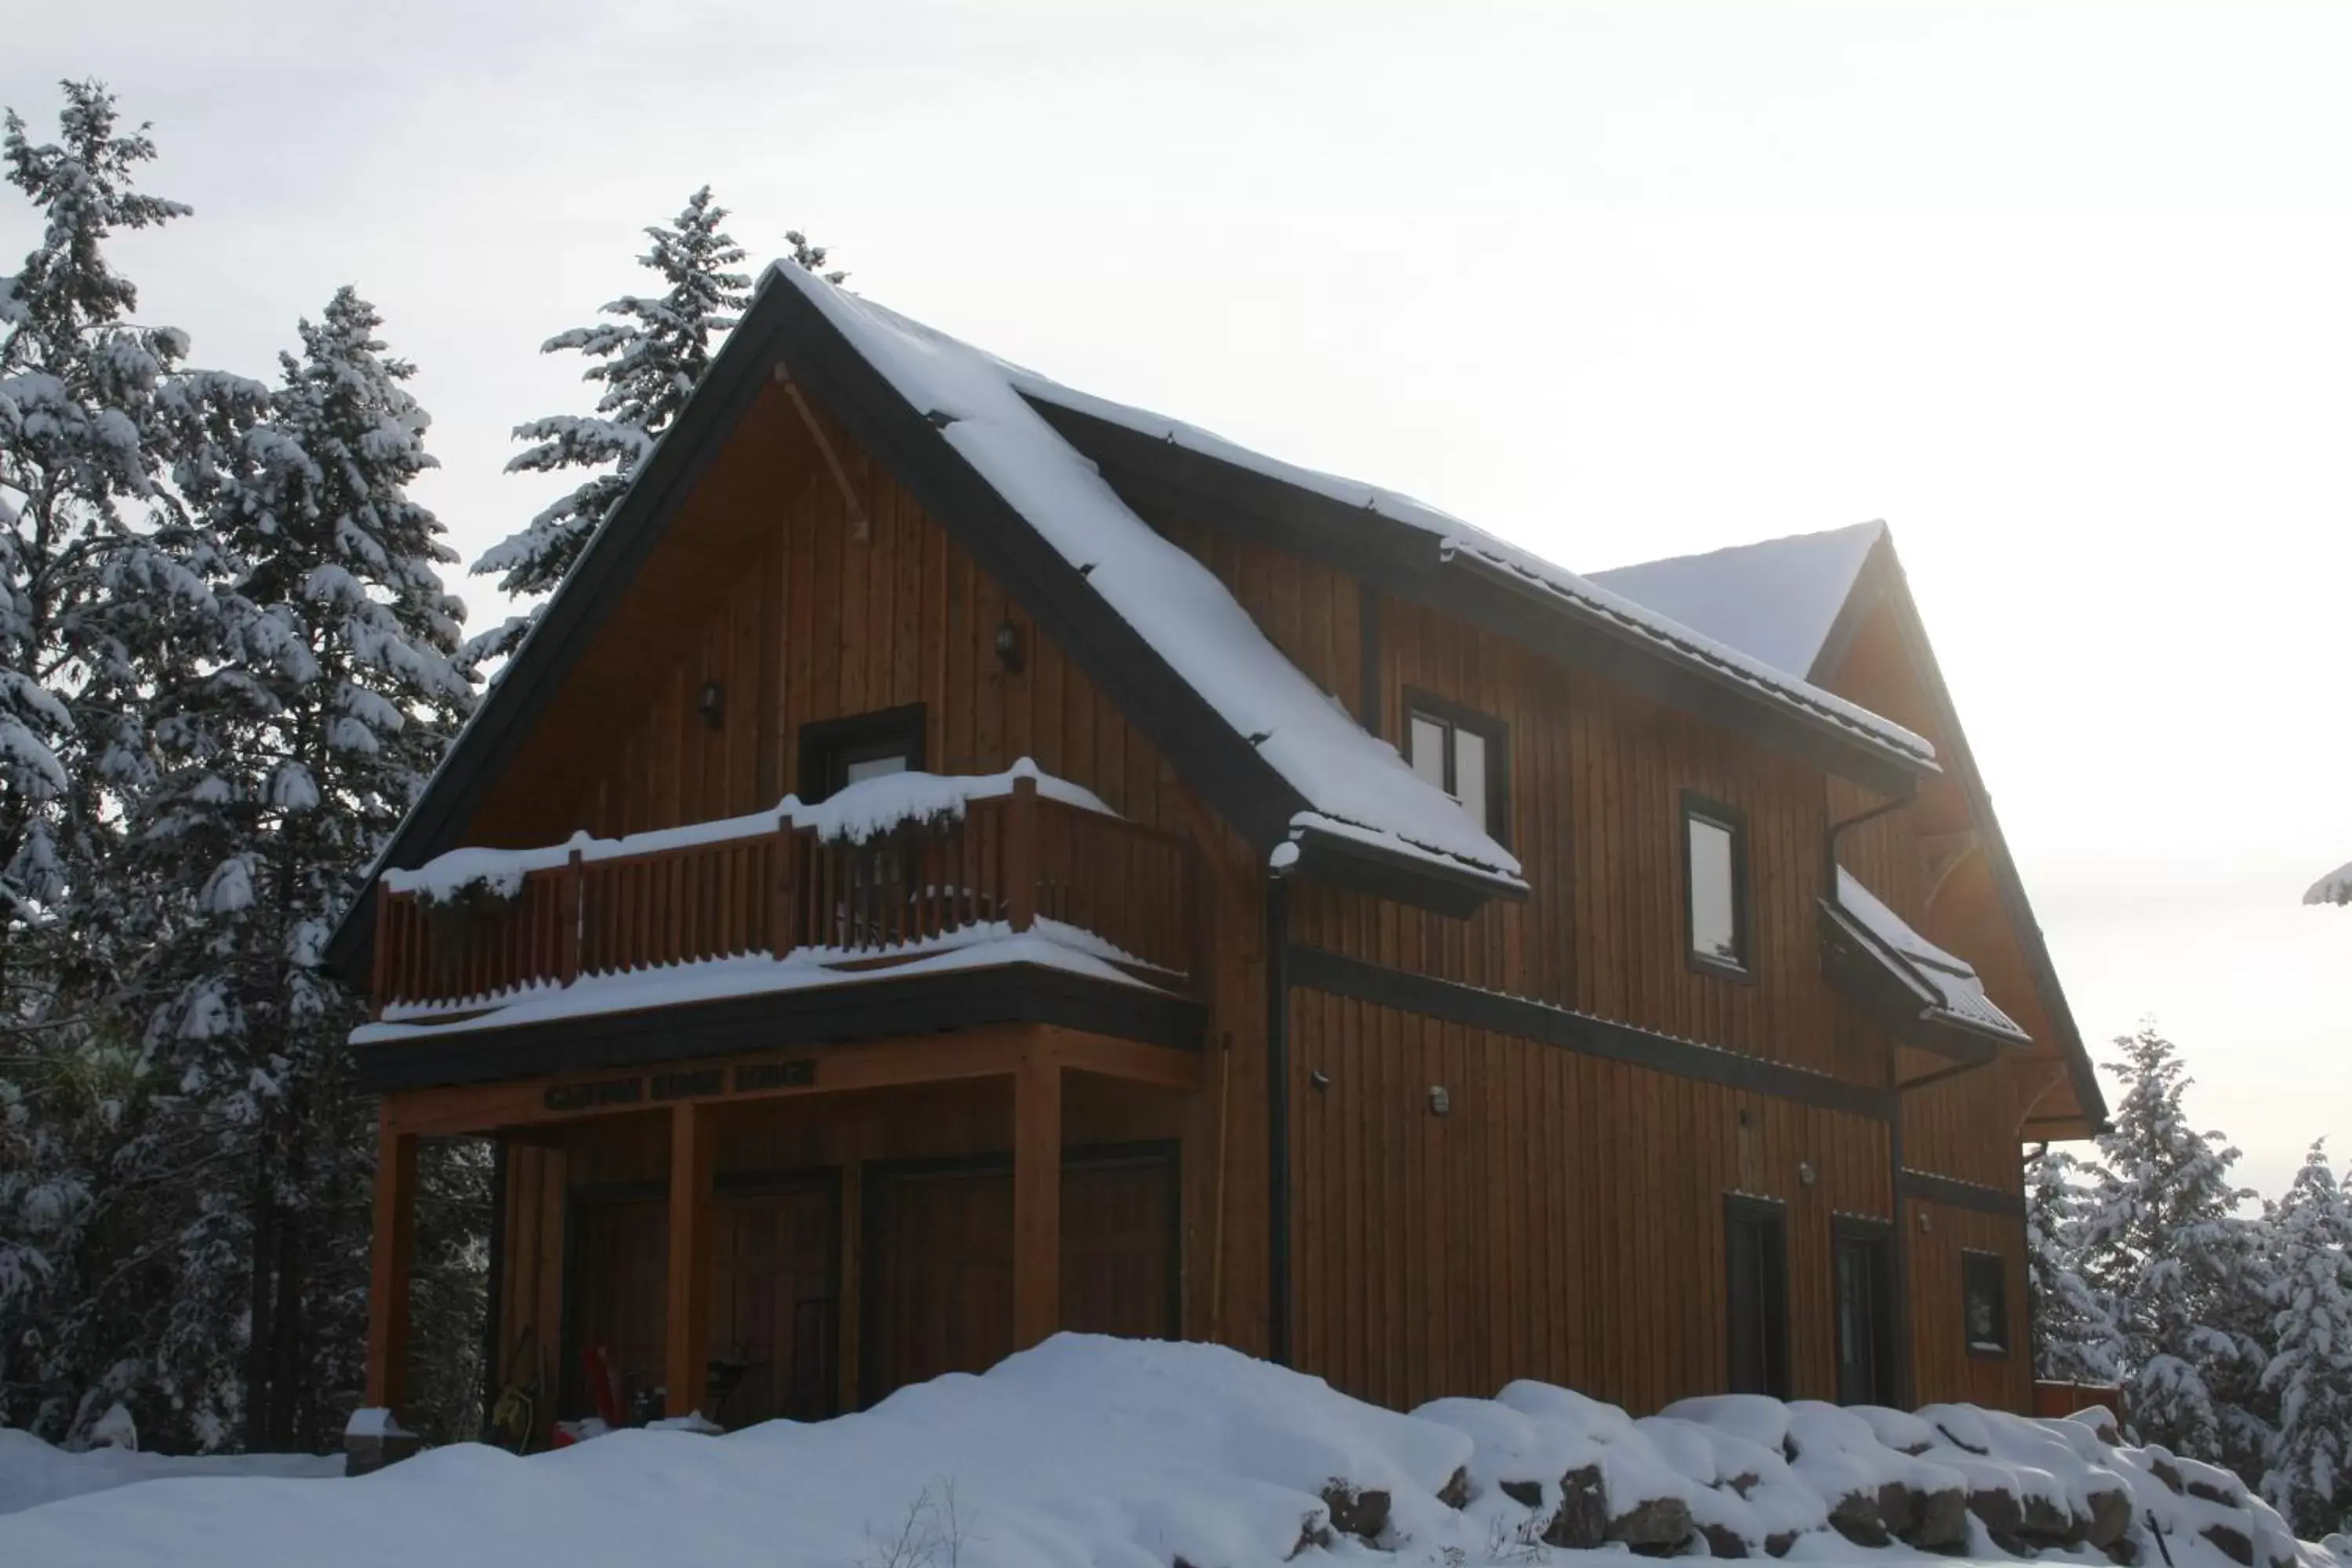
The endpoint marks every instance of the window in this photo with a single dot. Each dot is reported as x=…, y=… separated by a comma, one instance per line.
x=1984, y=1302
x=1864, y=1302
x=1756, y=1297
x=1715, y=884
x=1465, y=753
x=839, y=752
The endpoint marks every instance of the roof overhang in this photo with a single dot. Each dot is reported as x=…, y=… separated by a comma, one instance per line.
x=1174, y=481
x=1890, y=987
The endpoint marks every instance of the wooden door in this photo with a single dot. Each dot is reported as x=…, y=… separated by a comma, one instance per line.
x=938, y=1271
x=775, y=1256
x=1864, y=1302
x=618, y=1268
x=1118, y=1247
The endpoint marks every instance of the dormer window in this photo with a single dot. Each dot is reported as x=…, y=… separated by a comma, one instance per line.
x=1466, y=754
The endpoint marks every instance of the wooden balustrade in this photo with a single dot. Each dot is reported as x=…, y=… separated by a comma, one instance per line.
x=1011, y=859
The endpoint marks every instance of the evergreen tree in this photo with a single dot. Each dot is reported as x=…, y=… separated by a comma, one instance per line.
x=2184, y=1273
x=291, y=762
x=648, y=360
x=2075, y=1331
x=103, y=599
x=2310, y=1478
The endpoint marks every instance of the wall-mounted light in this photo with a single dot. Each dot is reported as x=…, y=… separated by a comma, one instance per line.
x=1008, y=647
x=1806, y=1175
x=714, y=704
x=1440, y=1102
x=1319, y=1079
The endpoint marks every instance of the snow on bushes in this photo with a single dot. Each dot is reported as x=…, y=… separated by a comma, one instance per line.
x=1126, y=1454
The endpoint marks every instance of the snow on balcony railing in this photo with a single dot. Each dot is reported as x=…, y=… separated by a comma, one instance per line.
x=884, y=868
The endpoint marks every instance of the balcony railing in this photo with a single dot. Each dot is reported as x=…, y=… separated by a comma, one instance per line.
x=1002, y=857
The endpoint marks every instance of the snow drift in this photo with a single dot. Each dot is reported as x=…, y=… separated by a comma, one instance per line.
x=1128, y=1454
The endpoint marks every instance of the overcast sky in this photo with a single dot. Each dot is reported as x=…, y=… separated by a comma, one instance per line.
x=2064, y=292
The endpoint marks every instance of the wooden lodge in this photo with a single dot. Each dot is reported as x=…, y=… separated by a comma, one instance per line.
x=959, y=861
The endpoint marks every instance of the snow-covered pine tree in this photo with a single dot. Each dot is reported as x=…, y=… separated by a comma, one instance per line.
x=648, y=359
x=103, y=597
x=337, y=693
x=2310, y=1478
x=2184, y=1272
x=2073, y=1331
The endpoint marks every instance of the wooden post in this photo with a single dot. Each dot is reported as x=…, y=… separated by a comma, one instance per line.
x=574, y=915
x=1036, y=1197
x=1021, y=855
x=390, y=1261
x=686, y=1369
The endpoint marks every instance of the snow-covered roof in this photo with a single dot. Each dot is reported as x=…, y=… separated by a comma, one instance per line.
x=1777, y=599
x=1947, y=986
x=1172, y=601
x=1457, y=540
x=2335, y=887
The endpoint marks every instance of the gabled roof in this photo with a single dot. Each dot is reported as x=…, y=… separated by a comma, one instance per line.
x=1279, y=759
x=1944, y=988
x=1778, y=599
x=1833, y=579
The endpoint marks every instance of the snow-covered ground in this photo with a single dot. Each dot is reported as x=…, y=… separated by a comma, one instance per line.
x=1119, y=1454
x=31, y=1472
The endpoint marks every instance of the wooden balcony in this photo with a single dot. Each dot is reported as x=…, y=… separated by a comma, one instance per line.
x=489, y=926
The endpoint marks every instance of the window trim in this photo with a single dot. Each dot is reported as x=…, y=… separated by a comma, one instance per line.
x=1844, y=1228
x=1771, y=1215
x=1734, y=821
x=1496, y=732
x=884, y=729
x=1975, y=1258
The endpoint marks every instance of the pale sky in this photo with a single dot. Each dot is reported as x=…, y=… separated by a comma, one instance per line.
x=2064, y=292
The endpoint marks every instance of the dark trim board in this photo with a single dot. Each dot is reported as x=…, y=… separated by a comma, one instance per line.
x=1317, y=969
x=861, y=1010
x=1927, y=1187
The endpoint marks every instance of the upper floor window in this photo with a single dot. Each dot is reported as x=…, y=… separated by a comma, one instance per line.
x=1714, y=885
x=1464, y=752
x=839, y=752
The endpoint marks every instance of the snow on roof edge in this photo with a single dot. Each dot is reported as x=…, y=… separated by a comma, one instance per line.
x=1454, y=533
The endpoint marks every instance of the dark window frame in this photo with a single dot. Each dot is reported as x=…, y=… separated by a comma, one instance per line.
x=1698, y=807
x=825, y=742
x=1974, y=1262
x=1877, y=1233
x=1771, y=1217
x=1496, y=732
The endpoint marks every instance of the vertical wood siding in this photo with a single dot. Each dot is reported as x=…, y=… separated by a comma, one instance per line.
x=1565, y=1220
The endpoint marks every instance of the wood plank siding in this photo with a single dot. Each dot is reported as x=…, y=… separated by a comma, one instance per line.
x=1563, y=1217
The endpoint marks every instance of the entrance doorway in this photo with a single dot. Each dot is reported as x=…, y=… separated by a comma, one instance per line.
x=776, y=1254
x=937, y=1279
x=1864, y=1297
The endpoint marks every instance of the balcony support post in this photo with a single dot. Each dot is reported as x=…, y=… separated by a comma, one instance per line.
x=391, y=1256
x=1036, y=1195
x=686, y=1369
